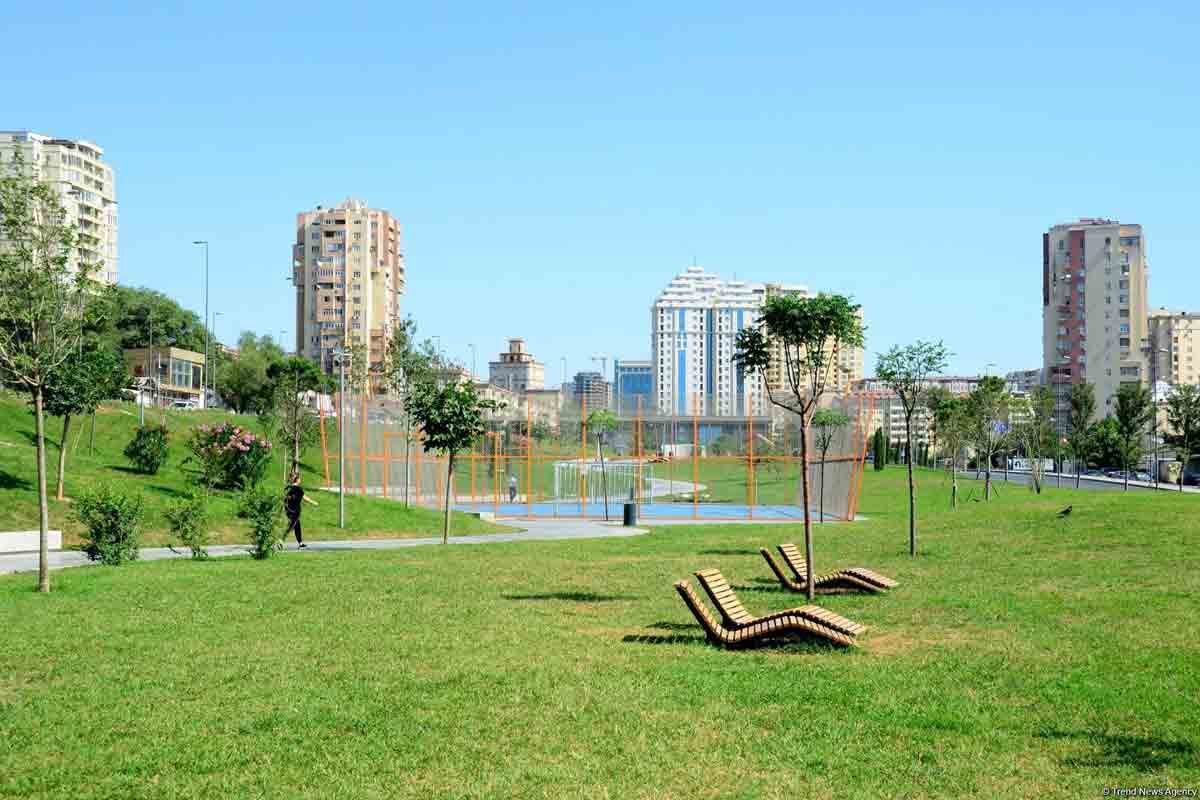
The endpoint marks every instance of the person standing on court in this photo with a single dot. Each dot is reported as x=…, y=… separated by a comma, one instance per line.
x=293, y=496
x=512, y=489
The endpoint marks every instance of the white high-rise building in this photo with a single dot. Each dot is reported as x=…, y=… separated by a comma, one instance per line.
x=695, y=323
x=86, y=188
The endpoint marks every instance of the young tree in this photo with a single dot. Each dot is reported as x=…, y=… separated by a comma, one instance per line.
x=242, y=382
x=986, y=411
x=805, y=334
x=827, y=423
x=1134, y=412
x=950, y=428
x=1036, y=434
x=1104, y=444
x=291, y=380
x=1183, y=418
x=1079, y=423
x=406, y=364
x=907, y=371
x=601, y=422
x=78, y=386
x=41, y=295
x=451, y=418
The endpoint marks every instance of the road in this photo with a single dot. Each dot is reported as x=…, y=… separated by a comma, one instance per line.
x=1068, y=481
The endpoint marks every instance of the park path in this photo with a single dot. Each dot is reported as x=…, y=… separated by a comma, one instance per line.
x=529, y=530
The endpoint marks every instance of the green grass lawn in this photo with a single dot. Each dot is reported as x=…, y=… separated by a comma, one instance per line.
x=1023, y=655
x=115, y=426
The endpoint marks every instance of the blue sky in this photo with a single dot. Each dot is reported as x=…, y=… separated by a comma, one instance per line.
x=553, y=167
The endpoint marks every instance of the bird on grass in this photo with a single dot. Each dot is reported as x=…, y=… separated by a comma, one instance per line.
x=1066, y=512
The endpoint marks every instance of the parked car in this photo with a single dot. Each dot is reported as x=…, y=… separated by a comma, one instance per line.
x=184, y=405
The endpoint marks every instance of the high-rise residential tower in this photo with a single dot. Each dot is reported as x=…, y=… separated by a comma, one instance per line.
x=1175, y=345
x=348, y=271
x=76, y=168
x=694, y=325
x=1093, y=309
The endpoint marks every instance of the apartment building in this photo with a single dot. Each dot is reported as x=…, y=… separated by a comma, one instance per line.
x=633, y=386
x=847, y=362
x=1094, y=321
x=1174, y=347
x=1024, y=380
x=590, y=387
x=348, y=270
x=86, y=188
x=517, y=370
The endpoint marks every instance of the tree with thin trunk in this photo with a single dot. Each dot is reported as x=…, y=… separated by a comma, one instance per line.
x=77, y=387
x=827, y=423
x=451, y=417
x=602, y=422
x=291, y=380
x=1134, y=412
x=950, y=432
x=406, y=364
x=988, y=427
x=41, y=294
x=806, y=334
x=1183, y=419
x=906, y=370
x=1036, y=433
x=1079, y=424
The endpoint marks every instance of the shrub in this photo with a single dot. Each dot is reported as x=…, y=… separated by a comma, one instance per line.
x=188, y=519
x=112, y=521
x=262, y=509
x=230, y=457
x=148, y=449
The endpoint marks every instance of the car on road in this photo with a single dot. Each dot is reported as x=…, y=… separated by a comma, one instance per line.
x=184, y=405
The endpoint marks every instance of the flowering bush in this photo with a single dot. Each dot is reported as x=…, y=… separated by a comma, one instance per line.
x=230, y=457
x=148, y=450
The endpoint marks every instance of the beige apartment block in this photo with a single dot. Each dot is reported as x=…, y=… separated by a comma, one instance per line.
x=85, y=185
x=348, y=270
x=1094, y=322
x=1175, y=345
x=517, y=370
x=847, y=362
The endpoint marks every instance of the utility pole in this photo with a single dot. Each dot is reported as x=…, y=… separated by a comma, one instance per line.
x=341, y=355
x=204, y=383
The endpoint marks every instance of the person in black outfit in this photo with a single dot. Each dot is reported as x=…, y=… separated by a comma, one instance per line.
x=292, y=497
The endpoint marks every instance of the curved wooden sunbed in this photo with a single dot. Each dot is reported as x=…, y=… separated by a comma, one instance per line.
x=736, y=616
x=781, y=627
x=856, y=579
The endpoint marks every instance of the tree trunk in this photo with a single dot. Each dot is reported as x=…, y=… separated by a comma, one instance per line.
x=912, y=489
x=92, y=437
x=1077, y=471
x=43, y=500
x=987, y=479
x=806, y=500
x=821, y=491
x=62, y=458
x=954, y=482
x=449, y=483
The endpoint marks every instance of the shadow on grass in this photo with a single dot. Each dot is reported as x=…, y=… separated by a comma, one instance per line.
x=727, y=553
x=773, y=588
x=10, y=481
x=638, y=638
x=674, y=626
x=1143, y=753
x=574, y=597
x=167, y=490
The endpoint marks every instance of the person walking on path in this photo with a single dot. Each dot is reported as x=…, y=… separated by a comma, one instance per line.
x=292, y=497
x=512, y=489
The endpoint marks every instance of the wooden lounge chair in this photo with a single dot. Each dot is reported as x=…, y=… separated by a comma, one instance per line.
x=784, y=626
x=850, y=580
x=736, y=616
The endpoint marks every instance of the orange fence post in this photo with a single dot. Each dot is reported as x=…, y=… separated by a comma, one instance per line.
x=528, y=458
x=387, y=465
x=417, y=469
x=474, y=462
x=324, y=444
x=583, y=465
x=695, y=456
x=637, y=449
x=496, y=475
x=362, y=447
x=749, y=458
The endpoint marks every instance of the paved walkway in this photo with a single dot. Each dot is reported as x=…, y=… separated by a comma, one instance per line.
x=528, y=530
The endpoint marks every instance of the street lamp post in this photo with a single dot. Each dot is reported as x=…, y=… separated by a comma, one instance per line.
x=1154, y=351
x=473, y=373
x=204, y=244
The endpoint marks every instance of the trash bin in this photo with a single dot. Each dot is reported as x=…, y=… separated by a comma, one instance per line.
x=630, y=515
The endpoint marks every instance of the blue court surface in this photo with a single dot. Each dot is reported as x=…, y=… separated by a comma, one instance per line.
x=646, y=511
